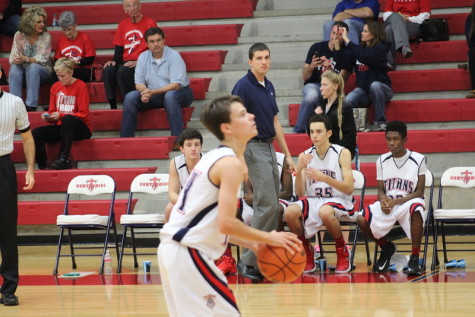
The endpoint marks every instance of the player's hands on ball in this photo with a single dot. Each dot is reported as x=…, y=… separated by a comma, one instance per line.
x=287, y=240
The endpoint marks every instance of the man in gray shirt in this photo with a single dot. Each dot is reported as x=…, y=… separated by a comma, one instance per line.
x=160, y=82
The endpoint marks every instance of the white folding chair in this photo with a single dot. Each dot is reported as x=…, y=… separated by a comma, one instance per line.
x=429, y=193
x=151, y=184
x=87, y=185
x=359, y=190
x=456, y=185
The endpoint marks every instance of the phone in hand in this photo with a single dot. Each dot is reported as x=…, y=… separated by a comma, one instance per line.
x=46, y=115
x=315, y=54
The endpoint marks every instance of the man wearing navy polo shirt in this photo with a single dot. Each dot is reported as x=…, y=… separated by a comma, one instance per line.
x=354, y=13
x=258, y=95
x=160, y=82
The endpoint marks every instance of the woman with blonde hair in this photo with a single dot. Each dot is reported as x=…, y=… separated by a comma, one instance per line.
x=334, y=107
x=30, y=56
x=68, y=114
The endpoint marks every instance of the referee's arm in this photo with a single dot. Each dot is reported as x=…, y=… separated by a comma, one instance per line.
x=29, y=150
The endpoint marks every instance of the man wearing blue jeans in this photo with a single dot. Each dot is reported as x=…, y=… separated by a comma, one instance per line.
x=322, y=56
x=354, y=13
x=161, y=82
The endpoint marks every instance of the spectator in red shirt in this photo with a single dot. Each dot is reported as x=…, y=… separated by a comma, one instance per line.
x=76, y=46
x=129, y=43
x=402, y=19
x=68, y=114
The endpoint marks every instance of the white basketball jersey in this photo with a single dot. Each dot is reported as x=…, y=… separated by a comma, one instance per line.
x=400, y=175
x=194, y=218
x=181, y=169
x=329, y=165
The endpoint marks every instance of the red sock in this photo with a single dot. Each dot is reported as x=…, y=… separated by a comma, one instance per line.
x=416, y=251
x=382, y=241
x=228, y=252
x=340, y=242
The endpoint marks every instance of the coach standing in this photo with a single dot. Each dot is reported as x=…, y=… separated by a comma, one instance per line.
x=258, y=95
x=12, y=115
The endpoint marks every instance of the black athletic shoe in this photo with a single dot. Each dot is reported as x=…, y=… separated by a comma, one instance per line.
x=384, y=260
x=249, y=272
x=9, y=300
x=413, y=268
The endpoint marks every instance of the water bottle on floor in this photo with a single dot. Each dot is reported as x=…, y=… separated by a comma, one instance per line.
x=398, y=262
x=108, y=263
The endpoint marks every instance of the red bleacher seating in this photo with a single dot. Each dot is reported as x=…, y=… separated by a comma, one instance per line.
x=423, y=141
x=48, y=181
x=137, y=148
x=97, y=92
x=436, y=52
x=411, y=111
x=162, y=11
x=199, y=61
x=424, y=80
x=111, y=120
x=175, y=36
x=440, y=4
x=45, y=212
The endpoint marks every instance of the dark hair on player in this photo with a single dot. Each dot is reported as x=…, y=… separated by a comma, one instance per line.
x=189, y=134
x=397, y=126
x=319, y=118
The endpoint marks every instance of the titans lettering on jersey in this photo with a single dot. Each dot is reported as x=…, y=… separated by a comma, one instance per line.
x=134, y=38
x=361, y=67
x=65, y=103
x=72, y=52
x=404, y=185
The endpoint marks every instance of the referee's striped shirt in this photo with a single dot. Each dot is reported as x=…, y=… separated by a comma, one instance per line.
x=13, y=116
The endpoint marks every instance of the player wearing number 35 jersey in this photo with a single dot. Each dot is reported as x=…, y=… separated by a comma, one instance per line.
x=324, y=175
x=401, y=182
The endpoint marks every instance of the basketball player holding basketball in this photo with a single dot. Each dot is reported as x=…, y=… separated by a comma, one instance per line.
x=324, y=175
x=401, y=180
x=203, y=220
x=190, y=142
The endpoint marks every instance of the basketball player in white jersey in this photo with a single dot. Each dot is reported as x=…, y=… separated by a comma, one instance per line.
x=401, y=181
x=324, y=175
x=203, y=220
x=190, y=142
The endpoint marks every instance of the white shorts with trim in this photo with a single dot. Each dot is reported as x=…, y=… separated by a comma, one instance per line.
x=247, y=212
x=311, y=205
x=192, y=284
x=381, y=223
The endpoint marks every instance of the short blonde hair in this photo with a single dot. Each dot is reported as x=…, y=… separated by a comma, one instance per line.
x=64, y=64
x=29, y=18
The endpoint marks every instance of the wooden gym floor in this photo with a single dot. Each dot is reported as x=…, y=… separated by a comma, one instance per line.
x=134, y=293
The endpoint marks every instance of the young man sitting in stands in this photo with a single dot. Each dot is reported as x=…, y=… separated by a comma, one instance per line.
x=401, y=181
x=324, y=175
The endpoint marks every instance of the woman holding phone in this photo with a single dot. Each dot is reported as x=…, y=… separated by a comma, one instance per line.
x=68, y=114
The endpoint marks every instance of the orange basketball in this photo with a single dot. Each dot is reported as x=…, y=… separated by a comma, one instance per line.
x=279, y=266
